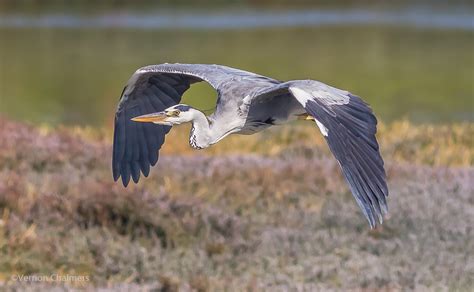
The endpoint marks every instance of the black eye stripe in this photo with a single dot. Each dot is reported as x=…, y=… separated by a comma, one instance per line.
x=182, y=107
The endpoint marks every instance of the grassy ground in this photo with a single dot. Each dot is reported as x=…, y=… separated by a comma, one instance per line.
x=265, y=212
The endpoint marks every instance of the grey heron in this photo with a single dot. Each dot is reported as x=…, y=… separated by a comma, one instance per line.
x=247, y=103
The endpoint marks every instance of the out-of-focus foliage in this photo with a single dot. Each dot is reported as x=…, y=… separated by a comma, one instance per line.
x=88, y=5
x=269, y=211
x=75, y=76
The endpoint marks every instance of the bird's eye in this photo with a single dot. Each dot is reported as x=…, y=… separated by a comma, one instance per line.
x=176, y=113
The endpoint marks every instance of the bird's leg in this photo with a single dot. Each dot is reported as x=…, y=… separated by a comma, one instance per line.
x=305, y=117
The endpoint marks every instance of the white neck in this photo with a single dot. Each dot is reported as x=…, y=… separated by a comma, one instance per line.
x=203, y=133
x=200, y=135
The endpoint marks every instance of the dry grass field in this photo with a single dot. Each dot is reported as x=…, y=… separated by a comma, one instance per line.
x=264, y=212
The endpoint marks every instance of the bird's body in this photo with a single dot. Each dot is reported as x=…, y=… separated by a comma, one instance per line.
x=247, y=103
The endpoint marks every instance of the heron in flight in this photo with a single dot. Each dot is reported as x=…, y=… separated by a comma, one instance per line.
x=247, y=103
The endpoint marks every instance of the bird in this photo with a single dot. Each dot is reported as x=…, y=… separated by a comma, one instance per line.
x=247, y=103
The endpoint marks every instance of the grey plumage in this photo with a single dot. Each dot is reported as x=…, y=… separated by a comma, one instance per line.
x=248, y=103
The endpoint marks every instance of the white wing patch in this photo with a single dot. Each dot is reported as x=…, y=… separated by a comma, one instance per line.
x=314, y=89
x=303, y=97
x=322, y=128
x=247, y=99
x=300, y=95
x=245, y=106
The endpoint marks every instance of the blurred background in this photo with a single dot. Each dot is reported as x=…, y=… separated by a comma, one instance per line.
x=407, y=59
x=265, y=212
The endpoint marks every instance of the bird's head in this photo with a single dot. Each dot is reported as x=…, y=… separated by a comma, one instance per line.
x=175, y=115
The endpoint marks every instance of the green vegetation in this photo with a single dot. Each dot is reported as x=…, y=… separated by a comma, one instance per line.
x=56, y=75
x=269, y=211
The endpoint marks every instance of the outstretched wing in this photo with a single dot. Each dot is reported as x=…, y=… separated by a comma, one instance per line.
x=349, y=126
x=153, y=89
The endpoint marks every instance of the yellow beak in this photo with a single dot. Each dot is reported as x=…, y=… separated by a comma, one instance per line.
x=151, y=118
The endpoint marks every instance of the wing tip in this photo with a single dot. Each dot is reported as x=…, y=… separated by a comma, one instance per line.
x=125, y=180
x=133, y=175
x=374, y=216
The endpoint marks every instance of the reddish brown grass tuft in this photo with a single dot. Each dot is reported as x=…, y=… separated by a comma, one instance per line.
x=268, y=211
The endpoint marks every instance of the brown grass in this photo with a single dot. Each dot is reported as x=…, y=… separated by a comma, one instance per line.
x=263, y=212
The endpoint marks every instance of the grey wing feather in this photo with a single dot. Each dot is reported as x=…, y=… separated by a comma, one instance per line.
x=216, y=75
x=349, y=127
x=136, y=145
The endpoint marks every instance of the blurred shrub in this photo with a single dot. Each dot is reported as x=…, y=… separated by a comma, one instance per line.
x=268, y=211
